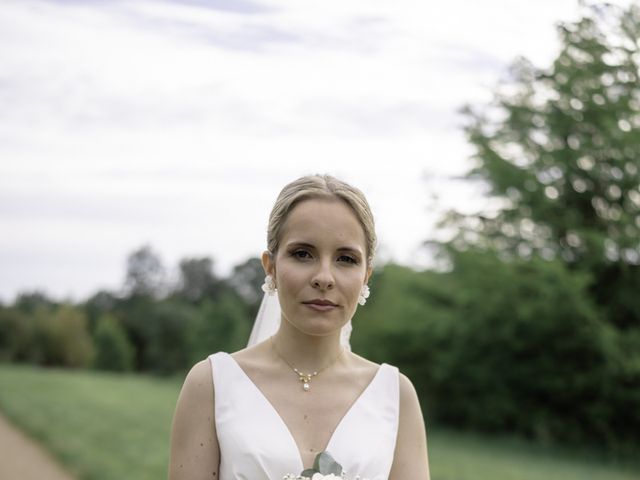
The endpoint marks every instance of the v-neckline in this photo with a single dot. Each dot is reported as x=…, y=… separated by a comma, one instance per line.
x=284, y=424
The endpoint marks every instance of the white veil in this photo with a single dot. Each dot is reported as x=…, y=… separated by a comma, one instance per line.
x=267, y=323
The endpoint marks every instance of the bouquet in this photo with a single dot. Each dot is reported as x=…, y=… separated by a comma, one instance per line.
x=324, y=468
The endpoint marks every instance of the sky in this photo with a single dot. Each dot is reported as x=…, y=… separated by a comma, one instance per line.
x=175, y=124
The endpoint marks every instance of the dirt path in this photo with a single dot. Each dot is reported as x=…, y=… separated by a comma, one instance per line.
x=23, y=459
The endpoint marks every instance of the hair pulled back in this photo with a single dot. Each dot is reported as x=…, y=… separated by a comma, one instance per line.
x=320, y=186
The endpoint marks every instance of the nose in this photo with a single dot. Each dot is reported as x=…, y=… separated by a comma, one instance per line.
x=323, y=277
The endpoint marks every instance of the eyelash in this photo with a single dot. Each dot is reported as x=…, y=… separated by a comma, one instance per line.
x=350, y=259
x=297, y=254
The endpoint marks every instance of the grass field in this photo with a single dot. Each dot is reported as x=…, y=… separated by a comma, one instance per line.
x=101, y=426
x=108, y=427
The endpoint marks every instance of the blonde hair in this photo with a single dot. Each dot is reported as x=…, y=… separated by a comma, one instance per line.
x=320, y=186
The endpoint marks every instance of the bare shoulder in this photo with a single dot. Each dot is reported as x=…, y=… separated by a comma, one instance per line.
x=199, y=379
x=248, y=353
x=410, y=459
x=364, y=364
x=194, y=445
x=408, y=394
x=195, y=402
x=410, y=410
x=253, y=359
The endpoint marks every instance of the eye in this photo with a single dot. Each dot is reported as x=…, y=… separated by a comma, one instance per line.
x=301, y=254
x=348, y=259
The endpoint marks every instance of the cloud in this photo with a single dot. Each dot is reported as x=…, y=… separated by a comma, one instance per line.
x=246, y=7
x=368, y=116
x=235, y=6
x=176, y=123
x=233, y=32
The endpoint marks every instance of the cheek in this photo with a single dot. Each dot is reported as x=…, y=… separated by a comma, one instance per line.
x=289, y=279
x=356, y=291
x=355, y=283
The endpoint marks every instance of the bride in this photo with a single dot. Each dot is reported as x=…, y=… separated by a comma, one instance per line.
x=267, y=410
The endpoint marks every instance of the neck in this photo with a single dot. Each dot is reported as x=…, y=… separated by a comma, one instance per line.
x=307, y=353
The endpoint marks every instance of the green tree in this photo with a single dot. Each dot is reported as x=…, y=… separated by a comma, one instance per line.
x=16, y=335
x=114, y=351
x=247, y=279
x=197, y=280
x=559, y=152
x=135, y=313
x=29, y=302
x=145, y=274
x=100, y=303
x=223, y=326
x=556, y=256
x=168, y=329
x=66, y=338
x=527, y=353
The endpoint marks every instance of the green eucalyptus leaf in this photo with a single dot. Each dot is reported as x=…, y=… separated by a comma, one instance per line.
x=308, y=472
x=325, y=464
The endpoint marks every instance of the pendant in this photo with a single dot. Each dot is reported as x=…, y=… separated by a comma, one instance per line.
x=306, y=380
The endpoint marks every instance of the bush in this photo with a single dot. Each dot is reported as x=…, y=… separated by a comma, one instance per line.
x=16, y=335
x=527, y=351
x=223, y=326
x=66, y=340
x=168, y=330
x=507, y=346
x=113, y=349
x=45, y=335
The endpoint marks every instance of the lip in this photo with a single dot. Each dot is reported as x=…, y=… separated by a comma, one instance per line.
x=320, y=308
x=321, y=302
x=320, y=305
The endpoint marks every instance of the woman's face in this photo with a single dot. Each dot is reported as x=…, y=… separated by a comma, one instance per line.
x=320, y=265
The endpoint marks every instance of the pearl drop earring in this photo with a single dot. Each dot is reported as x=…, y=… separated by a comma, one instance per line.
x=364, y=294
x=269, y=286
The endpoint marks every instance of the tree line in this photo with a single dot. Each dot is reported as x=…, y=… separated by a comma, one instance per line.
x=151, y=325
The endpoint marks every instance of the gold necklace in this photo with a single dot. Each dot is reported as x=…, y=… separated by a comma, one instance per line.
x=305, y=378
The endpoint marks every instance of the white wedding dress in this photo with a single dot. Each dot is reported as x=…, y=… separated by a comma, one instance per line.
x=255, y=443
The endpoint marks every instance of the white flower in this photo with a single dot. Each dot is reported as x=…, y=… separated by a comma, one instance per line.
x=319, y=476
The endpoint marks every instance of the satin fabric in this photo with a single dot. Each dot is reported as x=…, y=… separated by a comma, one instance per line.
x=255, y=443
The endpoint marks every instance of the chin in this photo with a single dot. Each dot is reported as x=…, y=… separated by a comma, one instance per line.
x=318, y=325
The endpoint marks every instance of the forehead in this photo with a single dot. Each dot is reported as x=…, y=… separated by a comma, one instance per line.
x=323, y=220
